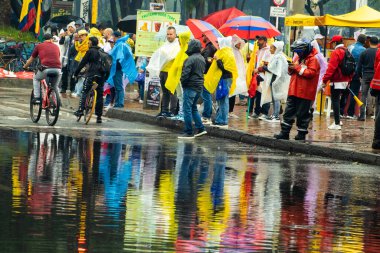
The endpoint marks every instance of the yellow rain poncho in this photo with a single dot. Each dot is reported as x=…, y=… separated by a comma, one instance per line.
x=94, y=32
x=252, y=62
x=227, y=56
x=174, y=74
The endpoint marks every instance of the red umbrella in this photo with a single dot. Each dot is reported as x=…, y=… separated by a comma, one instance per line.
x=199, y=27
x=219, y=18
x=248, y=27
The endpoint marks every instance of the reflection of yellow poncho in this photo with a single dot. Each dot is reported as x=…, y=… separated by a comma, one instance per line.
x=252, y=62
x=174, y=74
x=214, y=74
x=82, y=48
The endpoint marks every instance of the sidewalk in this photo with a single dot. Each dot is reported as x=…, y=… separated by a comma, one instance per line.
x=352, y=143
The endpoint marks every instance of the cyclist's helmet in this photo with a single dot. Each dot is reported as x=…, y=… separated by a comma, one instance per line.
x=301, y=47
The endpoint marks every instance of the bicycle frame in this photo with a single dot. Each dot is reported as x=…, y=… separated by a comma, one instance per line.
x=45, y=88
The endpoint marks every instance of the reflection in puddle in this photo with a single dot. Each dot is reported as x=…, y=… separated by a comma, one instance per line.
x=64, y=194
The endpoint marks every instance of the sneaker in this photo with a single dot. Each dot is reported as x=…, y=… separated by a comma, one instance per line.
x=36, y=101
x=361, y=118
x=263, y=117
x=223, y=126
x=78, y=113
x=340, y=123
x=334, y=127
x=351, y=117
x=74, y=95
x=268, y=118
x=169, y=115
x=206, y=121
x=178, y=118
x=141, y=101
x=373, y=117
x=200, y=132
x=186, y=137
x=254, y=116
x=99, y=119
x=161, y=114
x=232, y=115
x=276, y=120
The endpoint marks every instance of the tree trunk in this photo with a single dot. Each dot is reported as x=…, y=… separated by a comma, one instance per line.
x=124, y=7
x=114, y=14
x=224, y=4
x=242, y=5
x=136, y=6
x=4, y=12
x=200, y=8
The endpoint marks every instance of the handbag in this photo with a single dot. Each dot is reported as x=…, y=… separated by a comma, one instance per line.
x=221, y=90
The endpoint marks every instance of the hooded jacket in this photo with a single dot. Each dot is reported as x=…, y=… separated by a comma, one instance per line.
x=334, y=72
x=304, y=78
x=92, y=58
x=194, y=67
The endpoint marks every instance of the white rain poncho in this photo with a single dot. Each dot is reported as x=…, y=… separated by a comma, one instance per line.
x=166, y=53
x=241, y=83
x=277, y=66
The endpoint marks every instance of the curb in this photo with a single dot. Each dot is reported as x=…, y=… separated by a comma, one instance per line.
x=16, y=83
x=240, y=136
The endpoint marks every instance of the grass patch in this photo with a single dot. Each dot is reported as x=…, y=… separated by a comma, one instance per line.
x=11, y=33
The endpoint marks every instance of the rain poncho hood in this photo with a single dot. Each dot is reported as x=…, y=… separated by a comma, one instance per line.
x=278, y=66
x=123, y=53
x=214, y=74
x=82, y=48
x=241, y=85
x=322, y=62
x=94, y=32
x=174, y=74
x=166, y=53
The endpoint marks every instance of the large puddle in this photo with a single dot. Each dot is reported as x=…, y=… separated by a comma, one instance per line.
x=152, y=193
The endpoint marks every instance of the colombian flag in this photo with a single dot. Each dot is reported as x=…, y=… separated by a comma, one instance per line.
x=27, y=16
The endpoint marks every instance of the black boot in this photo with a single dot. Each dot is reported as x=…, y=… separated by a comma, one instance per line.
x=301, y=136
x=282, y=136
x=99, y=119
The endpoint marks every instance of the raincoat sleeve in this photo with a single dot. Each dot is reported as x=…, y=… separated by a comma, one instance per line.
x=186, y=71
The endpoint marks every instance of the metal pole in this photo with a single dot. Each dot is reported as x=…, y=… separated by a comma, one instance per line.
x=277, y=23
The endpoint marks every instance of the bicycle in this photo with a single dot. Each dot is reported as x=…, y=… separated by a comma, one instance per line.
x=89, y=104
x=49, y=101
x=21, y=56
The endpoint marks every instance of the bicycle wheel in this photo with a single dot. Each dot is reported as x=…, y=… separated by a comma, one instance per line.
x=52, y=110
x=35, y=109
x=15, y=65
x=89, y=106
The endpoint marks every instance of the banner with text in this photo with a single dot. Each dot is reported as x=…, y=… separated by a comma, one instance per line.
x=148, y=24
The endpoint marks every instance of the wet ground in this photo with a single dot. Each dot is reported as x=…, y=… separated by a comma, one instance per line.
x=144, y=191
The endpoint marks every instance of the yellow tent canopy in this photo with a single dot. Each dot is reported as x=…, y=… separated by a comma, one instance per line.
x=304, y=20
x=364, y=17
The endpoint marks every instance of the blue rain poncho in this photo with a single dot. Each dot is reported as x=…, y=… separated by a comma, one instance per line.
x=122, y=52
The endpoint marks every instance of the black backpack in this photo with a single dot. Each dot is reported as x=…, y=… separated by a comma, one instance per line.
x=105, y=63
x=348, y=65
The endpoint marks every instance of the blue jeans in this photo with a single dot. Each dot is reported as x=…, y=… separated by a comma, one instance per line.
x=223, y=107
x=119, y=91
x=190, y=110
x=141, y=89
x=207, y=104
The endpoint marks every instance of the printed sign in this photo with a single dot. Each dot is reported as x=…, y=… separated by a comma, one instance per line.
x=61, y=8
x=157, y=7
x=149, y=24
x=85, y=10
x=278, y=12
x=152, y=90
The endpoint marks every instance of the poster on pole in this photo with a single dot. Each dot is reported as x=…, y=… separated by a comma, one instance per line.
x=152, y=91
x=85, y=10
x=149, y=24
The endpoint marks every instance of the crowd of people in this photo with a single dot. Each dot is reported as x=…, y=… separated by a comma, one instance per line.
x=190, y=70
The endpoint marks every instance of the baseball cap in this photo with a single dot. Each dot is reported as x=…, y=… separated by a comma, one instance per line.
x=318, y=36
x=82, y=32
x=336, y=38
x=262, y=38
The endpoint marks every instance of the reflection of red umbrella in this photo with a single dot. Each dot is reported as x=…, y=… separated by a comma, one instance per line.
x=248, y=27
x=219, y=18
x=199, y=27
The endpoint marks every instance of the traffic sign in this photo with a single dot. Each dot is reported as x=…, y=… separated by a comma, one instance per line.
x=278, y=2
x=278, y=12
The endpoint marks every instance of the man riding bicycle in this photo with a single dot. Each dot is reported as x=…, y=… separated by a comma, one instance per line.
x=50, y=64
x=93, y=73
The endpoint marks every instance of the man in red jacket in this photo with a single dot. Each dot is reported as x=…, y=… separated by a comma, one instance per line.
x=338, y=81
x=304, y=73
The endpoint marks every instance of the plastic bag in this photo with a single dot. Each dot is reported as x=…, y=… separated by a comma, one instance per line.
x=221, y=90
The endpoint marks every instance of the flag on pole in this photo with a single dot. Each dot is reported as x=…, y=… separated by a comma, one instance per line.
x=27, y=16
x=94, y=14
x=38, y=19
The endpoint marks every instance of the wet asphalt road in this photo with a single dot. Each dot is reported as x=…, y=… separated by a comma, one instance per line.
x=130, y=187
